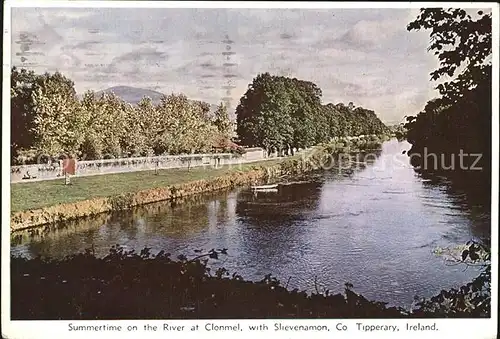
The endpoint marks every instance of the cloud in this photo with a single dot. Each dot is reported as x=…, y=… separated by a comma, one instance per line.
x=138, y=61
x=361, y=55
x=370, y=34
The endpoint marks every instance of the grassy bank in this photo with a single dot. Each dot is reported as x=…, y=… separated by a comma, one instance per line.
x=34, y=195
x=129, y=285
x=45, y=202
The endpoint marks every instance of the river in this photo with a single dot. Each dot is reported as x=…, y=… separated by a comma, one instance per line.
x=375, y=227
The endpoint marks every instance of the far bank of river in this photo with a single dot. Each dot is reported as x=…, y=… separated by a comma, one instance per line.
x=116, y=192
x=375, y=227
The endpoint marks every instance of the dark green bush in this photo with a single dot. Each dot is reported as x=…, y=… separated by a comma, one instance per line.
x=130, y=285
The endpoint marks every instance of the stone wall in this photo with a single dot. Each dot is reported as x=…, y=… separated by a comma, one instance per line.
x=27, y=173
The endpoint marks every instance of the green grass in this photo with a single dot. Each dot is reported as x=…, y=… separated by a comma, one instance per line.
x=26, y=196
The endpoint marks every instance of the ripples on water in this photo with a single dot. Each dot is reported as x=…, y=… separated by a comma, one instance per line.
x=375, y=228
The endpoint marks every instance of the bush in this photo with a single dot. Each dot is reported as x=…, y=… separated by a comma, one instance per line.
x=130, y=285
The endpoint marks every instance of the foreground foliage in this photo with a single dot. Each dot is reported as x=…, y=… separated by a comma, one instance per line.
x=129, y=285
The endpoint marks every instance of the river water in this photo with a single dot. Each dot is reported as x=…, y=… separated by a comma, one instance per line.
x=375, y=227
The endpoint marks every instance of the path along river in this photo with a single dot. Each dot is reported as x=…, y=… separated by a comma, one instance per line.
x=375, y=228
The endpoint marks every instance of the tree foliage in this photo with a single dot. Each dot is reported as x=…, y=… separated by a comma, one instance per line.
x=57, y=122
x=458, y=40
x=471, y=299
x=48, y=118
x=222, y=122
x=21, y=123
x=44, y=113
x=279, y=113
x=458, y=122
x=461, y=118
x=276, y=112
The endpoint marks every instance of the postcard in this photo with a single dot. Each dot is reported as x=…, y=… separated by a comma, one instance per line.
x=227, y=169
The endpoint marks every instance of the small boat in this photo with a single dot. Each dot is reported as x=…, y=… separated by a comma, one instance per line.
x=265, y=187
x=266, y=190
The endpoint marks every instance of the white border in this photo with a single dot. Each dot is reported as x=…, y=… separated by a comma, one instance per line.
x=457, y=328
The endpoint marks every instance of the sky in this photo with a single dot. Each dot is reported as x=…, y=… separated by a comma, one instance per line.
x=364, y=56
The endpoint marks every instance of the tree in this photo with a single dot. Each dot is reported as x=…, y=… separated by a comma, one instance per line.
x=205, y=108
x=307, y=118
x=281, y=113
x=459, y=118
x=21, y=118
x=275, y=120
x=248, y=111
x=45, y=114
x=92, y=145
x=106, y=126
x=222, y=122
x=182, y=126
x=274, y=114
x=113, y=124
x=277, y=113
x=459, y=122
x=141, y=126
x=57, y=124
x=457, y=39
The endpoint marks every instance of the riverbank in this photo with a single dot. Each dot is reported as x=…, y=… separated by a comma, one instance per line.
x=42, y=203
x=35, y=195
x=129, y=285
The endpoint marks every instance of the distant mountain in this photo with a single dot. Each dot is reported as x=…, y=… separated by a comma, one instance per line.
x=133, y=94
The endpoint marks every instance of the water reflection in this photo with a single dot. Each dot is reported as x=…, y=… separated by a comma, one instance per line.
x=375, y=227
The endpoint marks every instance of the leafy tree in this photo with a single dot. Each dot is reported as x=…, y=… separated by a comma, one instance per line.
x=47, y=118
x=275, y=118
x=248, y=111
x=458, y=122
x=458, y=40
x=44, y=114
x=276, y=112
x=92, y=145
x=57, y=124
x=106, y=126
x=307, y=119
x=113, y=124
x=282, y=113
x=140, y=127
x=204, y=132
x=222, y=122
x=22, y=118
x=182, y=126
x=459, y=118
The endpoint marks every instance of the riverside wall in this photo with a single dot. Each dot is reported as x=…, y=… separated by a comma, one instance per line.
x=40, y=172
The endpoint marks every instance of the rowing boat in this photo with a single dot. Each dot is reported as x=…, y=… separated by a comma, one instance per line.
x=266, y=190
x=264, y=187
